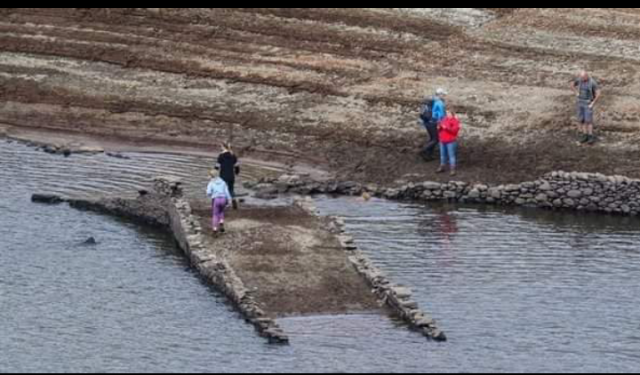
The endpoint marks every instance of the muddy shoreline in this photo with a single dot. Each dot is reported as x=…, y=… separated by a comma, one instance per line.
x=283, y=178
x=72, y=142
x=586, y=160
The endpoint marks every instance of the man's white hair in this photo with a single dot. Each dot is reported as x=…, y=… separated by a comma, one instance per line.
x=441, y=92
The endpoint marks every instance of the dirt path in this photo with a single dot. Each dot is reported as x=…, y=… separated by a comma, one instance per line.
x=335, y=88
x=290, y=261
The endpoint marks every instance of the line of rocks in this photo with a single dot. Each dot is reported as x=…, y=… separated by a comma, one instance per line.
x=65, y=150
x=397, y=297
x=556, y=190
x=68, y=150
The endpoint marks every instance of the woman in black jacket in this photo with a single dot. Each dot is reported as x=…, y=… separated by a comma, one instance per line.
x=229, y=168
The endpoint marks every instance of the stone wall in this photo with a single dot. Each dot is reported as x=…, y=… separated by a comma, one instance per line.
x=557, y=190
x=168, y=209
x=148, y=209
x=188, y=234
x=398, y=298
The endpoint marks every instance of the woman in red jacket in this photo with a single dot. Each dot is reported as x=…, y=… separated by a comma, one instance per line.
x=449, y=130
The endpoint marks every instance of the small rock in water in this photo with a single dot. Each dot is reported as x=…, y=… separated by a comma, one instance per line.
x=90, y=242
x=118, y=156
x=50, y=149
x=440, y=336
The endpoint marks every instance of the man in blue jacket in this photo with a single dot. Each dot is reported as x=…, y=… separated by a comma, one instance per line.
x=433, y=113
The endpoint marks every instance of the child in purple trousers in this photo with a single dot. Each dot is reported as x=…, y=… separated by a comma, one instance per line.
x=218, y=192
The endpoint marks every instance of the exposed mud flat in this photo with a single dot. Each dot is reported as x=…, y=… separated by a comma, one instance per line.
x=337, y=88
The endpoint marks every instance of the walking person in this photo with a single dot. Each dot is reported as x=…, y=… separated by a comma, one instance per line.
x=449, y=130
x=220, y=196
x=229, y=167
x=433, y=111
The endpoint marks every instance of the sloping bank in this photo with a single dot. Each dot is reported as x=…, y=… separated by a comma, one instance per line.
x=166, y=207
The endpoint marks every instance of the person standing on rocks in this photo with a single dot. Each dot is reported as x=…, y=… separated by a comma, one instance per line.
x=229, y=169
x=220, y=196
x=433, y=112
x=449, y=129
x=588, y=93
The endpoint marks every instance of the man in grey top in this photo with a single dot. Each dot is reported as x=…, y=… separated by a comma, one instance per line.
x=588, y=93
